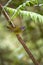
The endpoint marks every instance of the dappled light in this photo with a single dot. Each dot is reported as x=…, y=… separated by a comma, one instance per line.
x=21, y=32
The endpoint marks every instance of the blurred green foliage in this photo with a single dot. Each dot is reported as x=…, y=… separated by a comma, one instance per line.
x=11, y=51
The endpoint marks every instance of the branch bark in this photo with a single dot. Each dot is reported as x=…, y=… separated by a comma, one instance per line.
x=20, y=39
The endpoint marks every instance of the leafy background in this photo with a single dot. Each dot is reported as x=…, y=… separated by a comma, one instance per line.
x=11, y=51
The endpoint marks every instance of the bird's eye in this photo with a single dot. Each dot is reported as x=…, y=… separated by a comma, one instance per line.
x=22, y=28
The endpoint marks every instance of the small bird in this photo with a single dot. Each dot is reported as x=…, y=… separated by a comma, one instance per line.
x=16, y=29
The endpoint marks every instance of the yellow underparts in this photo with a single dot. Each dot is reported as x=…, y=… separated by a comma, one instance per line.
x=16, y=30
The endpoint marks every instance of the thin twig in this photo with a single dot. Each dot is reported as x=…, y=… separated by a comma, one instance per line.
x=21, y=41
x=7, y=16
x=7, y=3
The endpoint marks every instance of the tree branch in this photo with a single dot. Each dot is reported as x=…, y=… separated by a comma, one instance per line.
x=19, y=38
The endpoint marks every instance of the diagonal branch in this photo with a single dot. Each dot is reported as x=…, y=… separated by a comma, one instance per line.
x=7, y=16
x=20, y=39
